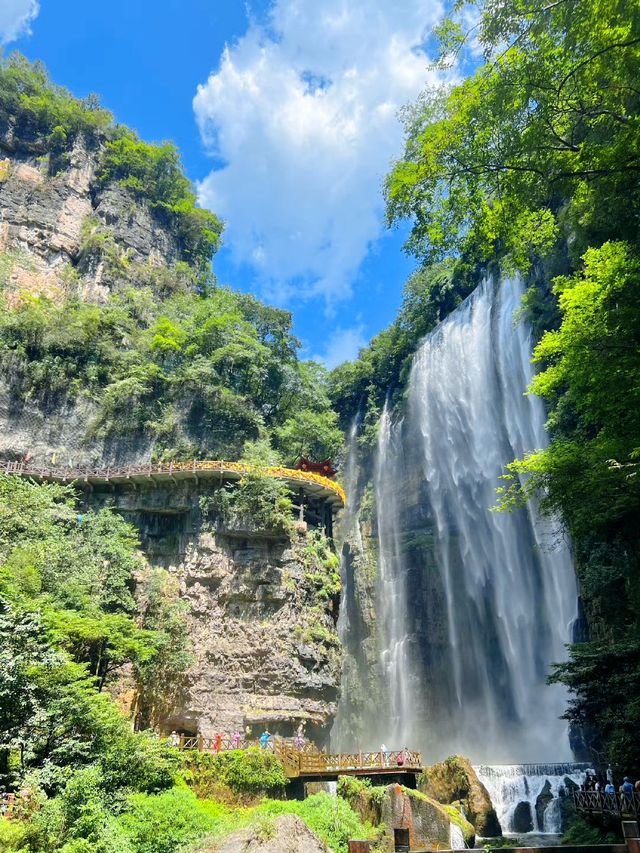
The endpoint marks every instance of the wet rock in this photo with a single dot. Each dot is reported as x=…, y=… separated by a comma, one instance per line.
x=542, y=802
x=428, y=822
x=522, y=818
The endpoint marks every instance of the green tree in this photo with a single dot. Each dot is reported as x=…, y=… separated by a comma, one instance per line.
x=543, y=136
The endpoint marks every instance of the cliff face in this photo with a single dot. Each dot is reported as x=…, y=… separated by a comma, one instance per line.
x=361, y=678
x=266, y=654
x=47, y=218
x=63, y=234
x=264, y=643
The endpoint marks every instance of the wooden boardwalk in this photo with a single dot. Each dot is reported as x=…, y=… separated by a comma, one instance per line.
x=310, y=763
x=311, y=483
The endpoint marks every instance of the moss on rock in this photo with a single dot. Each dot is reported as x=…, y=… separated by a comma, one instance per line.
x=454, y=781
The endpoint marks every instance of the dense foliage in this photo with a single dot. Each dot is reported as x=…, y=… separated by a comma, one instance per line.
x=542, y=138
x=69, y=622
x=197, y=374
x=252, y=771
x=532, y=162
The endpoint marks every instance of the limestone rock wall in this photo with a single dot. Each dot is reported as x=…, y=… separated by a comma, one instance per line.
x=55, y=221
x=47, y=213
x=362, y=687
x=264, y=640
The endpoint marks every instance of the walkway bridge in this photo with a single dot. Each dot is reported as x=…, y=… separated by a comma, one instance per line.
x=617, y=805
x=313, y=485
x=309, y=763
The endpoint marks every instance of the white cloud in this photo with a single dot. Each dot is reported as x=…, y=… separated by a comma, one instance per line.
x=15, y=18
x=342, y=345
x=302, y=113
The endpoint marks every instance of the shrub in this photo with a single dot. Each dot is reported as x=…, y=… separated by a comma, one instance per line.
x=13, y=834
x=161, y=823
x=331, y=818
x=245, y=771
x=256, y=500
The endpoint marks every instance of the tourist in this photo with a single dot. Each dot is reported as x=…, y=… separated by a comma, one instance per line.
x=236, y=737
x=217, y=742
x=627, y=786
x=174, y=738
x=609, y=788
x=265, y=737
x=403, y=757
x=299, y=739
x=609, y=775
x=384, y=755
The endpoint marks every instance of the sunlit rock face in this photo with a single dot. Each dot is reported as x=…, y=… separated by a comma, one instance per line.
x=263, y=640
x=471, y=606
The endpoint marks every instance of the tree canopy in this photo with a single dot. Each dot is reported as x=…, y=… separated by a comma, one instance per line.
x=542, y=139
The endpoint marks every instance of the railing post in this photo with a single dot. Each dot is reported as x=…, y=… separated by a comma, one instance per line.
x=631, y=835
x=200, y=743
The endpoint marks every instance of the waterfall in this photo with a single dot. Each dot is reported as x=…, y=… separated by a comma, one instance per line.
x=531, y=794
x=456, y=837
x=473, y=605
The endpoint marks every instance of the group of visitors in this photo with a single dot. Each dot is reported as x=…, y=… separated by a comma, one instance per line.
x=604, y=783
x=218, y=741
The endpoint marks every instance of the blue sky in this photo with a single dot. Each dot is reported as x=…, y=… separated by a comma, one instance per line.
x=285, y=114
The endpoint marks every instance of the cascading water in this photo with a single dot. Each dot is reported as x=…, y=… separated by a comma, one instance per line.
x=473, y=605
x=529, y=797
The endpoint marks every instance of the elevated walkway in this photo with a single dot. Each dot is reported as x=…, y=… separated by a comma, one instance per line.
x=312, y=484
x=310, y=764
x=617, y=805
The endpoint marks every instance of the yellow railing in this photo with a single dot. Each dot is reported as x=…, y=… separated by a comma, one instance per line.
x=59, y=473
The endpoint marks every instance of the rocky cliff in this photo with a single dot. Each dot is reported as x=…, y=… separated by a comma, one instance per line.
x=63, y=234
x=264, y=644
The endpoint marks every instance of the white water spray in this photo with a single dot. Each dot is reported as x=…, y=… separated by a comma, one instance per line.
x=473, y=605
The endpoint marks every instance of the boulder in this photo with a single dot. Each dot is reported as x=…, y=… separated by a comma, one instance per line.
x=542, y=801
x=429, y=823
x=454, y=781
x=522, y=818
x=285, y=834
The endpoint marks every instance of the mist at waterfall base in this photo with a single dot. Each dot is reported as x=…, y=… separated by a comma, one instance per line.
x=472, y=605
